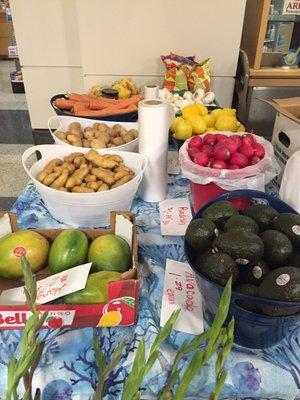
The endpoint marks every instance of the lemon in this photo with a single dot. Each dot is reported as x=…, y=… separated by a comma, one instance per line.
x=183, y=130
x=189, y=110
x=216, y=112
x=203, y=110
x=198, y=123
x=209, y=119
x=227, y=111
x=226, y=123
x=241, y=128
x=174, y=123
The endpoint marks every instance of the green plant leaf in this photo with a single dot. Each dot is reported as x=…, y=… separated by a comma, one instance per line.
x=135, y=378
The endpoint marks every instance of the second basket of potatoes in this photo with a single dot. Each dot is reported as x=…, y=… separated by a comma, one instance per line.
x=81, y=186
x=81, y=132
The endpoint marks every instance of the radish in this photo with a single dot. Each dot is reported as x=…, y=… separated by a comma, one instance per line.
x=247, y=150
x=207, y=148
x=239, y=159
x=221, y=152
x=192, y=151
x=231, y=145
x=254, y=160
x=248, y=139
x=234, y=166
x=259, y=150
x=219, y=164
x=237, y=139
x=211, y=161
x=201, y=159
x=195, y=141
x=210, y=139
x=221, y=138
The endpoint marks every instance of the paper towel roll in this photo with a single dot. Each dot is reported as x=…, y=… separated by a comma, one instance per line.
x=154, y=122
x=151, y=92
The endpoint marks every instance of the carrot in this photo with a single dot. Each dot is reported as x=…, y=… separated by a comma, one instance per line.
x=63, y=104
x=100, y=103
x=106, y=111
x=78, y=106
x=124, y=103
x=82, y=98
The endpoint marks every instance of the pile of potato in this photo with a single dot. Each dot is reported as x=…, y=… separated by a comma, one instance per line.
x=86, y=173
x=98, y=136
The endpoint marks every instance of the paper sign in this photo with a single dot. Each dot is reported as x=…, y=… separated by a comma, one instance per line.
x=124, y=228
x=175, y=215
x=173, y=163
x=291, y=7
x=50, y=288
x=181, y=292
x=5, y=227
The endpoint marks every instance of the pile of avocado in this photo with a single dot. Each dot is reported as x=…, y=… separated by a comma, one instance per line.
x=258, y=247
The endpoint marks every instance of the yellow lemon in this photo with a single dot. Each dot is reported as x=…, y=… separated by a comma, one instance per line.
x=210, y=129
x=216, y=112
x=226, y=123
x=241, y=128
x=210, y=119
x=189, y=110
x=183, y=130
x=111, y=318
x=203, y=110
x=198, y=123
x=174, y=123
x=227, y=111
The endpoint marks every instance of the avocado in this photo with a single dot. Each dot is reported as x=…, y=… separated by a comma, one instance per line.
x=249, y=290
x=294, y=260
x=262, y=214
x=244, y=247
x=201, y=258
x=220, y=212
x=289, y=224
x=200, y=234
x=241, y=223
x=219, y=268
x=281, y=284
x=253, y=274
x=278, y=247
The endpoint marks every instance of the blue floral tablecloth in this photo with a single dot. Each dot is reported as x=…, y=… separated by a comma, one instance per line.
x=68, y=370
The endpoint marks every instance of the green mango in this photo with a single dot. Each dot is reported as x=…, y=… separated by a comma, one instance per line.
x=95, y=290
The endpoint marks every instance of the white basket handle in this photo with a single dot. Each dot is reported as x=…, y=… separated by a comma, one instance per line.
x=50, y=120
x=28, y=152
x=143, y=167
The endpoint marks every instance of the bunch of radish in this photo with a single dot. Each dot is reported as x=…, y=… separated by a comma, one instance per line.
x=225, y=152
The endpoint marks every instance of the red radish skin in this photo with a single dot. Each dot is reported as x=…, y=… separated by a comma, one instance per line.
x=220, y=164
x=207, y=148
x=234, y=166
x=259, y=150
x=210, y=139
x=211, y=161
x=192, y=151
x=237, y=139
x=195, y=141
x=221, y=138
x=254, y=160
x=239, y=159
x=231, y=145
x=221, y=152
x=248, y=139
x=247, y=150
x=201, y=159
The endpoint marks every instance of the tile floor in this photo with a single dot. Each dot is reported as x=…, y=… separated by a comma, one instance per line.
x=16, y=136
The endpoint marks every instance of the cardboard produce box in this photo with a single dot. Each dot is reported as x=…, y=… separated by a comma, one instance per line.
x=123, y=295
x=286, y=133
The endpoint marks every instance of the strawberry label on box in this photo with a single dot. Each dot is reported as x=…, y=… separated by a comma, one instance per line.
x=175, y=215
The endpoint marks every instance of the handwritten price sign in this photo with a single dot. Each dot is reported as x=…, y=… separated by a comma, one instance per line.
x=175, y=215
x=50, y=288
x=181, y=292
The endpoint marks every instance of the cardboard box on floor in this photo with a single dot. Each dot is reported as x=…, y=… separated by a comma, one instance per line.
x=286, y=133
x=123, y=295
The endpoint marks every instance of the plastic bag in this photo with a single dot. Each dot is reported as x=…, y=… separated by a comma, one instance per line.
x=289, y=188
x=251, y=177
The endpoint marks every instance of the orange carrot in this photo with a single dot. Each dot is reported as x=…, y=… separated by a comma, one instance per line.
x=124, y=103
x=63, y=104
x=106, y=111
x=82, y=98
x=78, y=106
x=100, y=103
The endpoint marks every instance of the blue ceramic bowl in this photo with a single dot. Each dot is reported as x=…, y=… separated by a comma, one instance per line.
x=252, y=330
x=129, y=117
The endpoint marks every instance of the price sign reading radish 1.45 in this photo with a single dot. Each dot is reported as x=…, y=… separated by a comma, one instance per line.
x=175, y=215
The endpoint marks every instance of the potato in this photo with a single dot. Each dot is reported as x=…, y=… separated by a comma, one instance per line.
x=115, y=130
x=100, y=161
x=110, y=145
x=122, y=181
x=61, y=180
x=128, y=137
x=73, y=181
x=86, y=143
x=78, y=161
x=58, y=169
x=49, y=168
x=134, y=133
x=113, y=157
x=50, y=178
x=97, y=144
x=90, y=134
x=104, y=175
x=122, y=132
x=90, y=178
x=69, y=166
x=93, y=185
x=75, y=125
x=103, y=136
x=76, y=132
x=81, y=189
x=103, y=188
x=62, y=189
x=101, y=127
x=70, y=157
x=118, y=141
x=61, y=135
x=74, y=140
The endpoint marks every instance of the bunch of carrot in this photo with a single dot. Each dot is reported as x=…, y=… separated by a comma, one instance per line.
x=83, y=105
